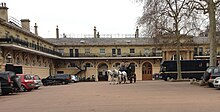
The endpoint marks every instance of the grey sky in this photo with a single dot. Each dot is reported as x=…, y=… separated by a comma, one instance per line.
x=77, y=16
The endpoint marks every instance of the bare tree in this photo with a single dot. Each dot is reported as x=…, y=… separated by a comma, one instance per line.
x=209, y=7
x=170, y=17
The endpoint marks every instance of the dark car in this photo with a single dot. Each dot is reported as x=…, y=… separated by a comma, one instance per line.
x=57, y=79
x=10, y=83
x=210, y=74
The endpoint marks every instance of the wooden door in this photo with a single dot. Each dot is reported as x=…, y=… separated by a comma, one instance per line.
x=147, y=71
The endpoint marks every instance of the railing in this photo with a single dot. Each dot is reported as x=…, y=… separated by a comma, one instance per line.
x=111, y=55
x=23, y=43
x=102, y=36
x=17, y=41
x=205, y=54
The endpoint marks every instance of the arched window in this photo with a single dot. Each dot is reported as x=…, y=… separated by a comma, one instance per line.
x=33, y=63
x=8, y=58
x=88, y=65
x=18, y=60
x=71, y=64
x=26, y=61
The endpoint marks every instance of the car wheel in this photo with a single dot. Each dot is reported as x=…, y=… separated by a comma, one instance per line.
x=23, y=89
x=210, y=85
x=5, y=92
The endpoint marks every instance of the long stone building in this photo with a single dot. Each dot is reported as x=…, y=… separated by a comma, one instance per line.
x=89, y=55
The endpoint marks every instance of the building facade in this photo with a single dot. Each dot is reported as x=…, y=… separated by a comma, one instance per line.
x=89, y=56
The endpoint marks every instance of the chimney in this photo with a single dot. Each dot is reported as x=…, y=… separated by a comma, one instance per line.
x=137, y=32
x=57, y=32
x=3, y=12
x=25, y=23
x=98, y=36
x=35, y=29
x=94, y=32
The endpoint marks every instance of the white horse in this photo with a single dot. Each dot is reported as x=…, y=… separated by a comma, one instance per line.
x=114, y=77
x=124, y=76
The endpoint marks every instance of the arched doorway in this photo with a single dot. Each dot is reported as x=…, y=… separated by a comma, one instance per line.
x=102, y=74
x=147, y=71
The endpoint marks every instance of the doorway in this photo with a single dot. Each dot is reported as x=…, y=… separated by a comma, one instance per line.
x=147, y=71
x=102, y=74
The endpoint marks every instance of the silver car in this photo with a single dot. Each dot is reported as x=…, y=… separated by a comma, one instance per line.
x=74, y=78
x=216, y=82
x=37, y=81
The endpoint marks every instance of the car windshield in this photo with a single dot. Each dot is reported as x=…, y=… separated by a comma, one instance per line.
x=27, y=77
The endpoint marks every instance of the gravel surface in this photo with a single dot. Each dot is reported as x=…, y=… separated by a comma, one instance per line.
x=143, y=96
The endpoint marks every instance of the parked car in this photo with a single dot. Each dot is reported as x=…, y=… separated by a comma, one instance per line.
x=207, y=73
x=57, y=79
x=210, y=74
x=27, y=83
x=10, y=83
x=74, y=78
x=216, y=82
x=37, y=81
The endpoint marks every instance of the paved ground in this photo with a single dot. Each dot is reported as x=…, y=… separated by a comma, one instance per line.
x=144, y=96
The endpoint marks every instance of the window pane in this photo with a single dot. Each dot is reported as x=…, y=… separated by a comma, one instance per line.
x=87, y=50
x=119, y=51
x=102, y=51
x=132, y=50
x=113, y=51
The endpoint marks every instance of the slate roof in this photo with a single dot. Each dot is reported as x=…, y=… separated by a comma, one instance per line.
x=100, y=41
x=113, y=41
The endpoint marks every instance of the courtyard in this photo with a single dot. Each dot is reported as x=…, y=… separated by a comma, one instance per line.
x=143, y=96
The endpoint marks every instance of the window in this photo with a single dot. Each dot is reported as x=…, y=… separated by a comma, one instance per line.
x=113, y=51
x=71, y=65
x=102, y=51
x=146, y=51
x=33, y=44
x=88, y=65
x=200, y=51
x=71, y=52
x=7, y=33
x=196, y=51
x=17, y=36
x=26, y=39
x=60, y=72
x=119, y=51
x=61, y=51
x=87, y=50
x=154, y=51
x=132, y=50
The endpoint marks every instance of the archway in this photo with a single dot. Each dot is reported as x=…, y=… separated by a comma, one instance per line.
x=147, y=71
x=102, y=74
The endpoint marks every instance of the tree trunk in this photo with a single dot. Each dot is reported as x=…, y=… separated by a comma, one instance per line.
x=179, y=76
x=212, y=34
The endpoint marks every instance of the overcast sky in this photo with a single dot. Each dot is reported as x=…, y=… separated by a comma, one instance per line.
x=77, y=16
